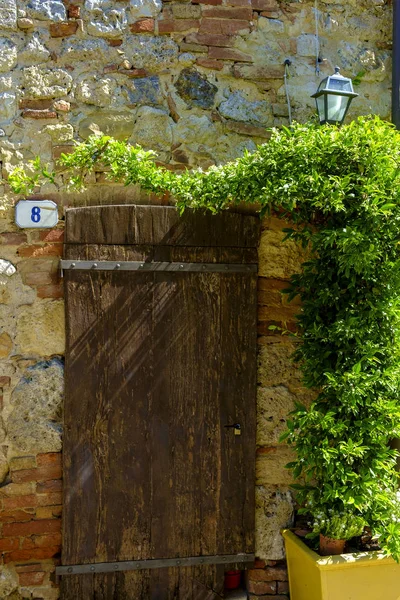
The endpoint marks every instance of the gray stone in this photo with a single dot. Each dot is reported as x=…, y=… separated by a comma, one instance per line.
x=6, y=267
x=238, y=108
x=104, y=19
x=35, y=51
x=6, y=83
x=195, y=89
x=274, y=511
x=8, y=581
x=8, y=14
x=150, y=52
x=8, y=55
x=144, y=90
x=8, y=106
x=98, y=92
x=153, y=129
x=87, y=51
x=34, y=424
x=14, y=292
x=46, y=83
x=119, y=125
x=144, y=8
x=46, y=10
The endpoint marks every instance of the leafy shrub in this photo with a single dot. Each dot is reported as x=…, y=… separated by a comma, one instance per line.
x=341, y=189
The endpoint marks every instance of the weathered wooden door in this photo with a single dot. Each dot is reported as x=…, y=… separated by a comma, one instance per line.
x=161, y=362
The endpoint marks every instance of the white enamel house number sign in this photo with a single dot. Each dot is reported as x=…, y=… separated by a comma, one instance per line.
x=36, y=214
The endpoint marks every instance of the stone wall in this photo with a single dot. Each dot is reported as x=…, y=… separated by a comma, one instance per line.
x=199, y=82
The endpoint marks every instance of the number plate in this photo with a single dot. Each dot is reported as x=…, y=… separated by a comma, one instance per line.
x=36, y=214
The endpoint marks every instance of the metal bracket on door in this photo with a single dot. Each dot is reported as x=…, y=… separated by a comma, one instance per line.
x=138, y=565
x=127, y=265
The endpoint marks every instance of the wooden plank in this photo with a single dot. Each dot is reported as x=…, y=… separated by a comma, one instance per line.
x=133, y=225
x=161, y=253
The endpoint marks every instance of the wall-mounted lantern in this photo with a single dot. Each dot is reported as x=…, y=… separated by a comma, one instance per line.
x=333, y=98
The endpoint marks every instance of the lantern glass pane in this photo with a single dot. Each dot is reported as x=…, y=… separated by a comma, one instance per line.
x=341, y=85
x=337, y=106
x=321, y=107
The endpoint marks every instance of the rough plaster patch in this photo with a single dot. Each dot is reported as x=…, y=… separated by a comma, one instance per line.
x=274, y=510
x=34, y=424
x=8, y=14
x=46, y=83
x=41, y=329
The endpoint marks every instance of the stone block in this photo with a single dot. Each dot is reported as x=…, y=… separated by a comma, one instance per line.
x=273, y=407
x=195, y=88
x=5, y=345
x=65, y=29
x=139, y=9
x=118, y=124
x=34, y=424
x=8, y=55
x=274, y=511
x=46, y=83
x=46, y=10
x=8, y=14
x=152, y=129
x=40, y=329
x=8, y=579
x=143, y=90
x=96, y=91
x=271, y=465
x=151, y=52
x=34, y=51
x=278, y=259
x=87, y=51
x=239, y=108
x=105, y=18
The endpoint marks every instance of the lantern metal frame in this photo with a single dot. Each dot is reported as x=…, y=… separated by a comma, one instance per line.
x=333, y=86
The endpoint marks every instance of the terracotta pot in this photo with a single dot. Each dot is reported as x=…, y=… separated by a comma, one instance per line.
x=232, y=580
x=328, y=546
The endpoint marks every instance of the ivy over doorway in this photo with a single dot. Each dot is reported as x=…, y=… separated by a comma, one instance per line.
x=340, y=188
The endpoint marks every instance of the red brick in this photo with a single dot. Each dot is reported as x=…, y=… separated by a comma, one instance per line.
x=49, y=499
x=226, y=12
x=229, y=54
x=283, y=587
x=223, y=26
x=114, y=43
x=5, y=381
x=74, y=11
x=28, y=113
x=133, y=73
x=63, y=29
x=268, y=574
x=44, y=473
x=52, y=235
x=209, y=2
x=13, y=239
x=35, y=104
x=259, y=564
x=246, y=129
x=261, y=587
x=209, y=40
x=31, y=527
x=48, y=458
x=38, y=278
x=9, y=544
x=34, y=554
x=110, y=68
x=257, y=73
x=177, y=25
x=49, y=486
x=269, y=5
x=12, y=516
x=29, y=501
x=54, y=291
x=142, y=26
x=28, y=568
x=41, y=541
x=34, y=578
x=210, y=64
x=35, y=251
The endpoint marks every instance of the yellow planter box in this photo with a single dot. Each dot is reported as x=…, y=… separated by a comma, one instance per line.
x=361, y=576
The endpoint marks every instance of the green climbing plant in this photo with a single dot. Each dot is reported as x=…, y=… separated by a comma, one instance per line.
x=340, y=188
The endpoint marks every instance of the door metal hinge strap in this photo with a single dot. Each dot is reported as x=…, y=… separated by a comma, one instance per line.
x=138, y=565
x=127, y=265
